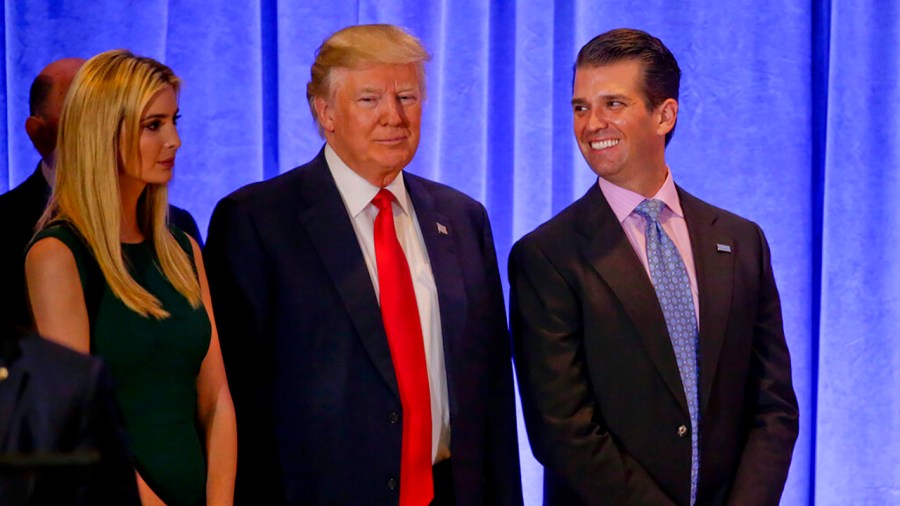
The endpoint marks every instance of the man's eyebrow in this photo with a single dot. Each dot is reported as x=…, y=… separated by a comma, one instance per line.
x=605, y=98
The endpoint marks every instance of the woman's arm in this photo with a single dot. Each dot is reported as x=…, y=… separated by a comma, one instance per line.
x=60, y=311
x=215, y=409
x=56, y=295
x=148, y=496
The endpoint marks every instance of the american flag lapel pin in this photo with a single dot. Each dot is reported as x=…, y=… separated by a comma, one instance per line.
x=723, y=248
x=442, y=230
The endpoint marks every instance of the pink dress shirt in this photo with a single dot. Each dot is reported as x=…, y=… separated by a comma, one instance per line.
x=671, y=218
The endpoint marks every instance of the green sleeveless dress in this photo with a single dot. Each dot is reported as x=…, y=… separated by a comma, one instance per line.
x=154, y=366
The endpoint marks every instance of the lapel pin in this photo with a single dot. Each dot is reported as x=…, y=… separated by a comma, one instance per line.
x=442, y=230
x=723, y=248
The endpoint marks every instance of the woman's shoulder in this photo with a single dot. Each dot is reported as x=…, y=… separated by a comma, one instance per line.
x=51, y=259
x=183, y=239
x=49, y=249
x=58, y=237
x=57, y=246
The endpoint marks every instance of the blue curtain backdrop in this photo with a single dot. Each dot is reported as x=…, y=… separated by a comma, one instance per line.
x=788, y=117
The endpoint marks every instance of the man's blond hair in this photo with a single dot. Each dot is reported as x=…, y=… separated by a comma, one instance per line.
x=357, y=47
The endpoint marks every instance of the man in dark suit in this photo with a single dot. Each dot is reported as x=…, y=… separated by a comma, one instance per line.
x=360, y=308
x=646, y=323
x=22, y=207
x=60, y=436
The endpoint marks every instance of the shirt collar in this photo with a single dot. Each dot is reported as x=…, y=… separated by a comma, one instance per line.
x=624, y=201
x=356, y=191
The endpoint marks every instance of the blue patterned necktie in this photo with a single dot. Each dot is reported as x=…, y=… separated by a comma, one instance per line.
x=673, y=289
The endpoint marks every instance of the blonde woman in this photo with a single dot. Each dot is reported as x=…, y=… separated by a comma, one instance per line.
x=107, y=275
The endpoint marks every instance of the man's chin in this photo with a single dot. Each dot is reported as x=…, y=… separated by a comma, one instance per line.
x=394, y=163
x=606, y=170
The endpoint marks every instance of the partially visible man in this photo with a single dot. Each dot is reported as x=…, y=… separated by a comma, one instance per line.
x=360, y=308
x=21, y=207
x=646, y=323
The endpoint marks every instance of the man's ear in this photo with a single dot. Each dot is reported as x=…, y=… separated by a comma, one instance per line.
x=41, y=135
x=325, y=114
x=667, y=113
x=33, y=126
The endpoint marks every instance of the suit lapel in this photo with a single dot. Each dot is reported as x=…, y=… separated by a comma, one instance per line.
x=440, y=241
x=610, y=253
x=715, y=280
x=325, y=218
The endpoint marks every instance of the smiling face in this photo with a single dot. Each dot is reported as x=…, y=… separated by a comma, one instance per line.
x=158, y=140
x=373, y=117
x=621, y=139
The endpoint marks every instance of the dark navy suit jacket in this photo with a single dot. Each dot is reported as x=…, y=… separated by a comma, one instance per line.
x=61, y=441
x=308, y=362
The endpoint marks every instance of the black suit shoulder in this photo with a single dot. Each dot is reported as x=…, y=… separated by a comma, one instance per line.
x=446, y=195
x=182, y=219
x=274, y=187
x=31, y=193
x=277, y=196
x=21, y=207
x=302, y=185
x=722, y=217
x=449, y=200
x=440, y=188
x=748, y=235
x=592, y=208
x=554, y=238
x=20, y=210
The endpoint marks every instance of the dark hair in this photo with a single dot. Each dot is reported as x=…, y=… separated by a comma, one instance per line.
x=40, y=90
x=661, y=73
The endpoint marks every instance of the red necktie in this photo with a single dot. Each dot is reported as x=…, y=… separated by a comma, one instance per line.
x=404, y=332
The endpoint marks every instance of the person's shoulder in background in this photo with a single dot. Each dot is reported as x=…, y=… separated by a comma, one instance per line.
x=61, y=440
x=182, y=219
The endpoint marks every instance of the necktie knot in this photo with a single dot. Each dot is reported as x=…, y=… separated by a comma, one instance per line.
x=650, y=209
x=383, y=199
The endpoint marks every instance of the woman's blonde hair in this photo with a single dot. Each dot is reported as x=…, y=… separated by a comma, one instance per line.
x=99, y=136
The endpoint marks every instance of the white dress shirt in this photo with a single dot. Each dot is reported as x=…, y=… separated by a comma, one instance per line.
x=357, y=194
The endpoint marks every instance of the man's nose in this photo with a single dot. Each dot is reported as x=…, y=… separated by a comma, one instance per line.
x=392, y=112
x=598, y=119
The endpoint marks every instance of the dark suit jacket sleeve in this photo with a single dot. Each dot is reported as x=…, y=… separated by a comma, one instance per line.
x=767, y=454
x=505, y=474
x=62, y=419
x=566, y=430
x=183, y=220
x=240, y=286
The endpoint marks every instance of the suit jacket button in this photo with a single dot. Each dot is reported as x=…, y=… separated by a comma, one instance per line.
x=394, y=417
x=392, y=483
x=682, y=431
